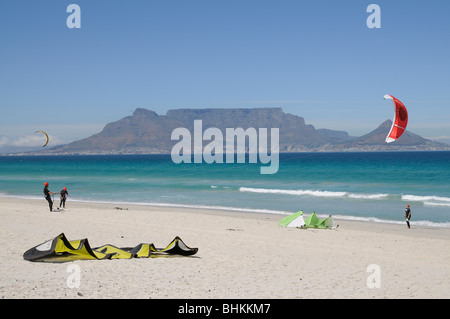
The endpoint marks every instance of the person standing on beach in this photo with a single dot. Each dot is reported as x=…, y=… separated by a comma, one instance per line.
x=407, y=214
x=47, y=196
x=63, y=194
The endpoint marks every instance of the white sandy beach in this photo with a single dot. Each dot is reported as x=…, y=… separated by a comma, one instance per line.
x=241, y=255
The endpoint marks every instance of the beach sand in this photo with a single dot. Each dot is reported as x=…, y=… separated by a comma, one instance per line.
x=241, y=255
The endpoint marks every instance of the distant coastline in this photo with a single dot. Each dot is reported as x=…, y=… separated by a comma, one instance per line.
x=43, y=153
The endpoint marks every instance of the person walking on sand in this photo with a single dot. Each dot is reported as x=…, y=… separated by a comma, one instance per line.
x=47, y=194
x=407, y=214
x=63, y=194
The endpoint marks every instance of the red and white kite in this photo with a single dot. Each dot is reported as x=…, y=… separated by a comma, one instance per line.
x=400, y=119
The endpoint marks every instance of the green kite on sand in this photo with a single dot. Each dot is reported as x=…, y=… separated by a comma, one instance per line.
x=296, y=220
x=293, y=221
x=315, y=222
x=59, y=249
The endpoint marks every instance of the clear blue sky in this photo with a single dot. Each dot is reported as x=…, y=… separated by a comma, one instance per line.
x=316, y=59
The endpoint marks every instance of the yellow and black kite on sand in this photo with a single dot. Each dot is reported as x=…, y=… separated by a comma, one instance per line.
x=59, y=249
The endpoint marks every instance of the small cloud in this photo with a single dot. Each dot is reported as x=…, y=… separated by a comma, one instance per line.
x=25, y=137
x=441, y=139
x=4, y=141
x=28, y=141
x=34, y=140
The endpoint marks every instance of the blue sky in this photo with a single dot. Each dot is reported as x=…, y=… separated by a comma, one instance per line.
x=316, y=59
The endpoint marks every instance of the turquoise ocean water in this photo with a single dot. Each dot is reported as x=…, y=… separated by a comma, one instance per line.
x=359, y=186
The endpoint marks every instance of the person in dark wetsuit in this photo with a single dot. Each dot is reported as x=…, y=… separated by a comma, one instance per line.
x=63, y=194
x=47, y=196
x=407, y=215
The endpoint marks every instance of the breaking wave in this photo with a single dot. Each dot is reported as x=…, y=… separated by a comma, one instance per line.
x=428, y=200
x=314, y=193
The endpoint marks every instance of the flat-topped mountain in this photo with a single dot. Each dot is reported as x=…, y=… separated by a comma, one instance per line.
x=146, y=132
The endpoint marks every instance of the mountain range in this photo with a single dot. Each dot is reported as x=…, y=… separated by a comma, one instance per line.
x=146, y=132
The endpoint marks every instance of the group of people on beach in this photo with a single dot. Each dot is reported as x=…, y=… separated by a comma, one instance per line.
x=63, y=193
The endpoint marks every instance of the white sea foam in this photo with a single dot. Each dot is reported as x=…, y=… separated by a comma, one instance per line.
x=428, y=200
x=368, y=196
x=314, y=193
x=424, y=223
x=293, y=192
x=436, y=204
x=425, y=198
x=5, y=195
